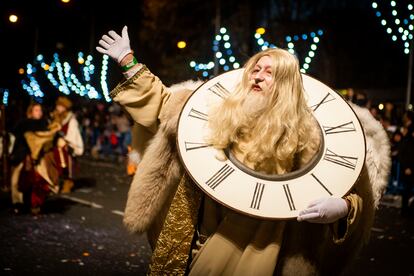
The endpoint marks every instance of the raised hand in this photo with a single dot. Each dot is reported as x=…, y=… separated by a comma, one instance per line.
x=114, y=45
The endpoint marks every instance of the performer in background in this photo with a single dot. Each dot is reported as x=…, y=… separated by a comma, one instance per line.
x=270, y=129
x=34, y=137
x=69, y=144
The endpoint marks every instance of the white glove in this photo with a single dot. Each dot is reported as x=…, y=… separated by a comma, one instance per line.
x=115, y=46
x=324, y=210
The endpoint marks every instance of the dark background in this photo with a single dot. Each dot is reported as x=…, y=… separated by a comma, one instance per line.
x=355, y=50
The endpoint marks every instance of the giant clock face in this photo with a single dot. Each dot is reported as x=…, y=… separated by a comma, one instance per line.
x=332, y=172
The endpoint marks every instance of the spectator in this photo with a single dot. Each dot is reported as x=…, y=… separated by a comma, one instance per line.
x=124, y=127
x=407, y=163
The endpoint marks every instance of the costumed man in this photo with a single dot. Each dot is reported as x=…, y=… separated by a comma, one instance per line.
x=191, y=233
x=69, y=144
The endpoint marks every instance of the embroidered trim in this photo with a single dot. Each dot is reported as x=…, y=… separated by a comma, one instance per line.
x=120, y=87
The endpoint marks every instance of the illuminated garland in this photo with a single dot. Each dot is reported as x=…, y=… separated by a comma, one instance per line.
x=104, y=73
x=222, y=51
x=67, y=81
x=5, y=98
x=32, y=87
x=313, y=37
x=224, y=54
x=398, y=28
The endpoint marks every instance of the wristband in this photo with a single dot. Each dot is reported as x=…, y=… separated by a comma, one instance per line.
x=130, y=64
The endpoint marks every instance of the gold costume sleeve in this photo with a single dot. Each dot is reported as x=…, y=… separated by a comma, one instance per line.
x=143, y=97
x=343, y=228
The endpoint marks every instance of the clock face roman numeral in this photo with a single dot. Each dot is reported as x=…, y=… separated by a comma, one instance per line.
x=194, y=145
x=320, y=183
x=219, y=176
x=289, y=197
x=328, y=97
x=347, y=127
x=342, y=160
x=198, y=114
x=257, y=196
x=219, y=90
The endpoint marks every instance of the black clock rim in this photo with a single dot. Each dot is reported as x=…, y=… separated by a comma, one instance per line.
x=280, y=177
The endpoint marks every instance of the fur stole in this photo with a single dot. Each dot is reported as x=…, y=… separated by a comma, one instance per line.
x=159, y=171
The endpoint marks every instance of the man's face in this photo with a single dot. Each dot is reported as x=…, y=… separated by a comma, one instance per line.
x=261, y=77
x=60, y=108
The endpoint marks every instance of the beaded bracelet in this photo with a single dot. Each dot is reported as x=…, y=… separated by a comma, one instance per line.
x=130, y=64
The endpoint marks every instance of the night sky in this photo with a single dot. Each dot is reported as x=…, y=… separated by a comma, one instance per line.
x=355, y=50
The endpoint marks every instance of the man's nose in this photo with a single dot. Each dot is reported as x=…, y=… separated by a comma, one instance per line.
x=258, y=77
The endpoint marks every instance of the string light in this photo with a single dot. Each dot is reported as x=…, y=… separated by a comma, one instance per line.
x=312, y=37
x=67, y=81
x=5, y=98
x=400, y=29
x=222, y=51
x=104, y=73
x=32, y=87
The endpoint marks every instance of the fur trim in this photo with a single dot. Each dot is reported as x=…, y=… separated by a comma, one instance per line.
x=298, y=265
x=159, y=171
x=378, y=155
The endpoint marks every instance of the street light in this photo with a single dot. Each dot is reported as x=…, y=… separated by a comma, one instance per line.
x=181, y=44
x=13, y=18
x=65, y=1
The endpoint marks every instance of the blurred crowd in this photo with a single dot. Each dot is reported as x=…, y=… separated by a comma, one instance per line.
x=106, y=131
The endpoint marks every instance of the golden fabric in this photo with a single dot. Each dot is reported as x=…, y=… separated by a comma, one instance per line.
x=347, y=225
x=241, y=245
x=38, y=140
x=171, y=253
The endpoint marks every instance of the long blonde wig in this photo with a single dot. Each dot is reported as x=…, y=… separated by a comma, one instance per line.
x=271, y=139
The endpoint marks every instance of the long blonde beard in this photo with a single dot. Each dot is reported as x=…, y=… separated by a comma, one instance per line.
x=253, y=109
x=251, y=142
x=254, y=104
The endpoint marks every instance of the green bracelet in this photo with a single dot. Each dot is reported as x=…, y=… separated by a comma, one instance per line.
x=130, y=64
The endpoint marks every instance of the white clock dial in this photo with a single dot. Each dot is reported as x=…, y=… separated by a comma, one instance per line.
x=332, y=172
